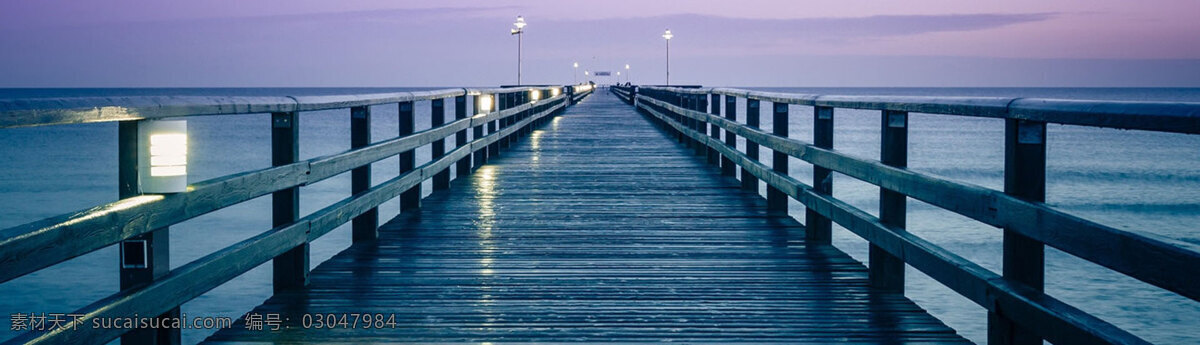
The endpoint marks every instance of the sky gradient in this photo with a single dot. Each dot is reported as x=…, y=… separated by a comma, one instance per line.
x=247, y=43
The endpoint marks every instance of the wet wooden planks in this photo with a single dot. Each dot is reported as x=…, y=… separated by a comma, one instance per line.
x=596, y=228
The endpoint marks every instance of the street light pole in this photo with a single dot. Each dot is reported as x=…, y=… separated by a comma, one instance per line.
x=520, y=24
x=626, y=73
x=668, y=36
x=576, y=75
x=519, y=59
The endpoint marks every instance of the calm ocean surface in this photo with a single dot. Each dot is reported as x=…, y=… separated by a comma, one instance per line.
x=1138, y=181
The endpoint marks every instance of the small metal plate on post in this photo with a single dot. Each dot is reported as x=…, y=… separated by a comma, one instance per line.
x=1031, y=132
x=359, y=112
x=281, y=120
x=897, y=119
x=824, y=113
x=134, y=254
x=781, y=107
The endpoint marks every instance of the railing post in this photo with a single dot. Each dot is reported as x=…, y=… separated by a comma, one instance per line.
x=516, y=99
x=727, y=166
x=365, y=226
x=411, y=198
x=680, y=101
x=714, y=108
x=437, y=149
x=749, y=182
x=480, y=156
x=818, y=229
x=1024, y=258
x=146, y=257
x=886, y=270
x=529, y=113
x=698, y=125
x=463, y=166
x=777, y=201
x=291, y=267
x=500, y=104
x=502, y=142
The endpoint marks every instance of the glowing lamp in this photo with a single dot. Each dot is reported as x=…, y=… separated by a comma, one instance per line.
x=668, y=35
x=485, y=104
x=554, y=92
x=162, y=156
x=534, y=95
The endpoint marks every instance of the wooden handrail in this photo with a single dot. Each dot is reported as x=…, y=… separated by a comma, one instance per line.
x=1162, y=262
x=67, y=110
x=1159, y=256
x=30, y=247
x=1174, y=117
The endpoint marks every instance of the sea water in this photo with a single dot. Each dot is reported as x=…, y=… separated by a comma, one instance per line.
x=1137, y=181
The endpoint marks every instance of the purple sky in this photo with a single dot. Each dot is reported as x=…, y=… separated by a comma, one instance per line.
x=141, y=43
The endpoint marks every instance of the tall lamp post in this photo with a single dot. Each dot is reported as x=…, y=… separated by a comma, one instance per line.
x=520, y=24
x=668, y=36
x=626, y=73
x=576, y=73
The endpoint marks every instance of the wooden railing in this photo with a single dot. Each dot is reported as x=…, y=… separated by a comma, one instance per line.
x=156, y=289
x=1019, y=311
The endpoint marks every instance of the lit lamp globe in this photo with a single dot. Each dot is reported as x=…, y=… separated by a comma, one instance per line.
x=162, y=156
x=484, y=104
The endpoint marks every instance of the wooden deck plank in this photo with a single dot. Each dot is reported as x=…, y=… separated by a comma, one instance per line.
x=597, y=228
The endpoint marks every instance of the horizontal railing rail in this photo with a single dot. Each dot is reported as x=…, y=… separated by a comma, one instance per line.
x=580, y=91
x=1012, y=298
x=34, y=246
x=624, y=93
x=53, y=111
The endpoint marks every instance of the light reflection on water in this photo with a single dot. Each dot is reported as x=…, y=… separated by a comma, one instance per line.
x=485, y=194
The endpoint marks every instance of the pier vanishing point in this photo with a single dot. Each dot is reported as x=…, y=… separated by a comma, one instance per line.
x=575, y=214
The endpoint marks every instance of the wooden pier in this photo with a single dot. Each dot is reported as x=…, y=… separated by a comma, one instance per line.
x=583, y=235
x=586, y=217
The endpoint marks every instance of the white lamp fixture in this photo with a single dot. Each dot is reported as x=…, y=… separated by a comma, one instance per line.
x=485, y=104
x=520, y=24
x=554, y=92
x=534, y=95
x=668, y=36
x=162, y=156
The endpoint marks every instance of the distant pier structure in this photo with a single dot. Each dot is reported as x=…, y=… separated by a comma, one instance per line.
x=576, y=217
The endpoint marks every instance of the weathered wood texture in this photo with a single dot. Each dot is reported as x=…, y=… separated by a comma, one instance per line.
x=30, y=247
x=192, y=279
x=1032, y=309
x=590, y=236
x=1163, y=262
